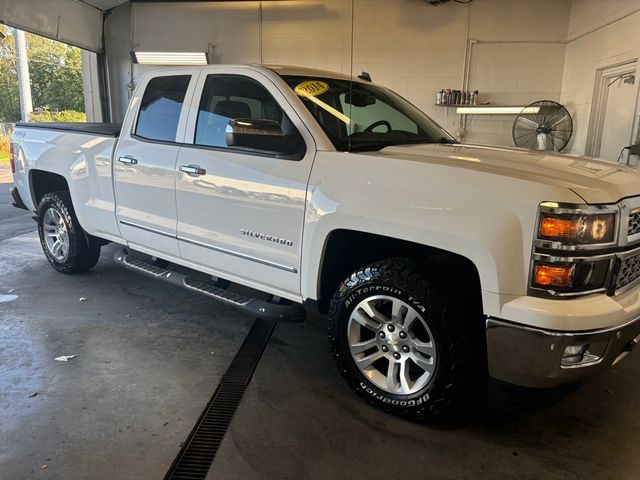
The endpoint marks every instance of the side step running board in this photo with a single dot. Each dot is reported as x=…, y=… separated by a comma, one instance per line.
x=253, y=306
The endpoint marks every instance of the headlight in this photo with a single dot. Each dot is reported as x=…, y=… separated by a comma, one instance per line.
x=577, y=228
x=566, y=259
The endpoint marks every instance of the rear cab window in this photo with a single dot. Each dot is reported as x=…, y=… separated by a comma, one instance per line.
x=161, y=107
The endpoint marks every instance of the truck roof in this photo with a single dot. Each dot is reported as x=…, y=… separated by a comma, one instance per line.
x=284, y=70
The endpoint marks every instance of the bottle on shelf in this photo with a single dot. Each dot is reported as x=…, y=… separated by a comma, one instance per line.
x=439, y=97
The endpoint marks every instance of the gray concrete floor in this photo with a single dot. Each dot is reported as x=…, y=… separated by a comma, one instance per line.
x=149, y=357
x=13, y=221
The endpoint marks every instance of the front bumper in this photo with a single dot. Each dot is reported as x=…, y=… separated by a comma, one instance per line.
x=533, y=357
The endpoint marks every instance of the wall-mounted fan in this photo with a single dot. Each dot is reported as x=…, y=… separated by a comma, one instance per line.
x=545, y=125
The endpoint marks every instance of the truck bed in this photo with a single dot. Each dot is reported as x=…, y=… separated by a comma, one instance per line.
x=101, y=129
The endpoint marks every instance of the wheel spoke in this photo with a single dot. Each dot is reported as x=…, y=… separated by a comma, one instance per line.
x=373, y=312
x=55, y=247
x=423, y=363
x=404, y=377
x=426, y=348
x=411, y=317
x=392, y=374
x=365, y=321
x=51, y=235
x=398, y=311
x=360, y=347
x=366, y=361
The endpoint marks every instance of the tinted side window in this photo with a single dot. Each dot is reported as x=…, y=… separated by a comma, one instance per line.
x=228, y=97
x=161, y=106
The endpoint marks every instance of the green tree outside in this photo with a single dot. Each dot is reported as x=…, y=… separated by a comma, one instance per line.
x=56, y=76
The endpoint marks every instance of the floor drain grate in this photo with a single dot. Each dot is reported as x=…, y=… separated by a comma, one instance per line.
x=199, y=451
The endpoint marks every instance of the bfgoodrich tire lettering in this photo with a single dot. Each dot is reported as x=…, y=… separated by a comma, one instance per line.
x=81, y=252
x=411, y=285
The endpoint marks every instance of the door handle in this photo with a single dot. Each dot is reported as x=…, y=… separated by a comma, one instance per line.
x=191, y=170
x=129, y=160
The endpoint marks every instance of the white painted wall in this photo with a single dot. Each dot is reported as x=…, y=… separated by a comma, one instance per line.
x=600, y=34
x=415, y=49
x=117, y=45
x=91, y=87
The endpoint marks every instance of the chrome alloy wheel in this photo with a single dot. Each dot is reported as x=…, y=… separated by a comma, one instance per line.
x=56, y=235
x=392, y=345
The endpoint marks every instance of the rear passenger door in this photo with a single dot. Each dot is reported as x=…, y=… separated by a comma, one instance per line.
x=145, y=162
x=241, y=215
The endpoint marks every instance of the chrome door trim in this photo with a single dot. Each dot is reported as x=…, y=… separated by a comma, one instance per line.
x=240, y=255
x=147, y=229
x=261, y=261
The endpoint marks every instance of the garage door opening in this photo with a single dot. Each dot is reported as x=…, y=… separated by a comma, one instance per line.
x=58, y=80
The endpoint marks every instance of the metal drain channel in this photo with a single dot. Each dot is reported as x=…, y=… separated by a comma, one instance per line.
x=199, y=451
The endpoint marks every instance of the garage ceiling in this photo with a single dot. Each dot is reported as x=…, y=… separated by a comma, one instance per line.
x=104, y=4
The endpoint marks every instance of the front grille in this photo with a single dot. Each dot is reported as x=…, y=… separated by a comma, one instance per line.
x=634, y=223
x=629, y=271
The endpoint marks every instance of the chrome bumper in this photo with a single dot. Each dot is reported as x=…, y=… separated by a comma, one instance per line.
x=532, y=357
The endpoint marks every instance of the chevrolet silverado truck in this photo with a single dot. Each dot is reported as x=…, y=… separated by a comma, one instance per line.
x=270, y=187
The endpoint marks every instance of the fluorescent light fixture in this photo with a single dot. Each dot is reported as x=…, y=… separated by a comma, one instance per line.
x=497, y=110
x=170, y=58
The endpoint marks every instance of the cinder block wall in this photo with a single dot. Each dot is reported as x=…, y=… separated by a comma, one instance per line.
x=414, y=48
x=600, y=34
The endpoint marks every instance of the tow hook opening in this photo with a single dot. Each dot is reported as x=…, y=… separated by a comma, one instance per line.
x=631, y=345
x=581, y=355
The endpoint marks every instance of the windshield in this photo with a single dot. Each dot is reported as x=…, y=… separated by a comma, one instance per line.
x=363, y=116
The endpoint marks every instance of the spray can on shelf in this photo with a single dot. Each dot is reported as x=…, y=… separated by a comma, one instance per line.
x=439, y=96
x=476, y=100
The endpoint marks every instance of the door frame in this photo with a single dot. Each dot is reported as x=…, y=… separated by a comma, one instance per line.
x=604, y=76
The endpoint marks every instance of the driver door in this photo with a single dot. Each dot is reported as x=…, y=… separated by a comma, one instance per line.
x=241, y=212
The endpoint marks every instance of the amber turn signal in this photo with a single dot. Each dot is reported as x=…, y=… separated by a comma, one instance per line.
x=553, y=275
x=555, y=227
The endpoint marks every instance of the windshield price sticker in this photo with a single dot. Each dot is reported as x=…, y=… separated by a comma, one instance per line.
x=312, y=88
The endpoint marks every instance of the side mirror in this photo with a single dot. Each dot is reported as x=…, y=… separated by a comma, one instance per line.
x=262, y=135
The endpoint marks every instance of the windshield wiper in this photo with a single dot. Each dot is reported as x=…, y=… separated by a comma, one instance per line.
x=370, y=146
x=443, y=140
x=376, y=146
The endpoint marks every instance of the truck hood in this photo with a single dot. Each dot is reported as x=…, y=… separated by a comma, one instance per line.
x=594, y=180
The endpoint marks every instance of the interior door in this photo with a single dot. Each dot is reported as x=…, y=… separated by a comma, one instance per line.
x=240, y=212
x=619, y=117
x=145, y=162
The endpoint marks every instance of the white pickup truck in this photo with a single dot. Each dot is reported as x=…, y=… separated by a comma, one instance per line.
x=267, y=187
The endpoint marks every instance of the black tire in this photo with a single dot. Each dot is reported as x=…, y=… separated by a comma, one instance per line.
x=451, y=382
x=83, y=251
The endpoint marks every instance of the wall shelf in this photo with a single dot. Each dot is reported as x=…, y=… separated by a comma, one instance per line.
x=491, y=109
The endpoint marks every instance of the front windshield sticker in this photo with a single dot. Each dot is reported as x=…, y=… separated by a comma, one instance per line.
x=311, y=88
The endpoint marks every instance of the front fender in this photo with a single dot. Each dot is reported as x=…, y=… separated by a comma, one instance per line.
x=485, y=218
